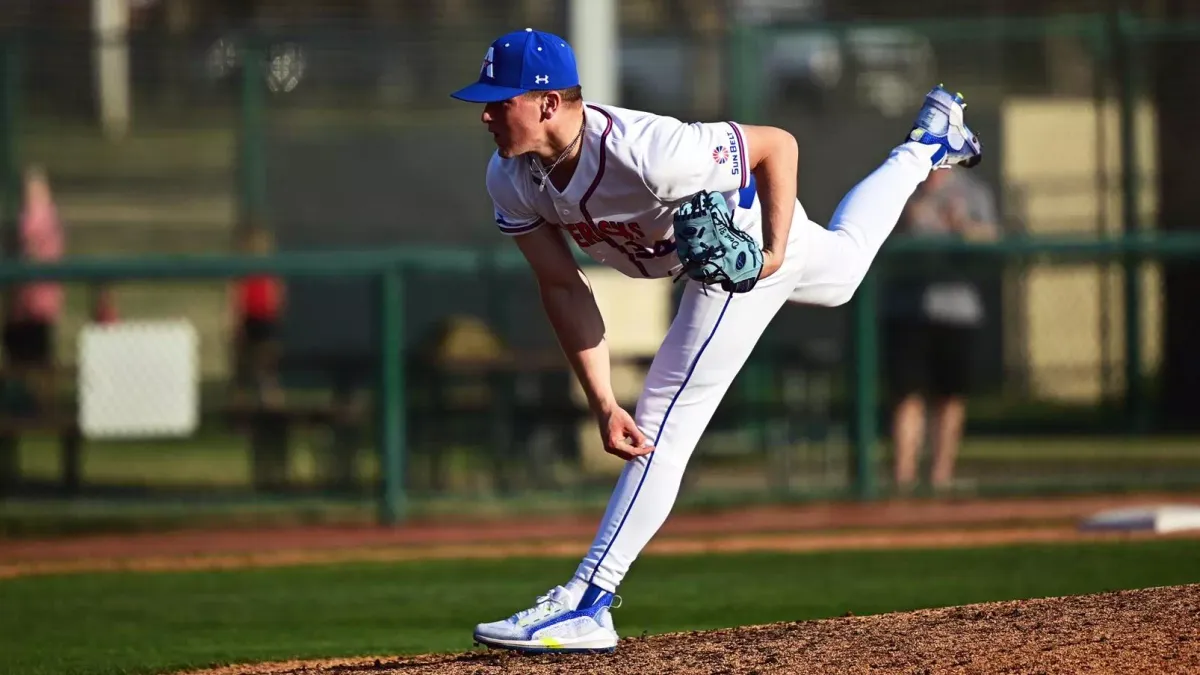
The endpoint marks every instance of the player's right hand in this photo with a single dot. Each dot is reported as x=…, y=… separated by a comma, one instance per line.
x=621, y=435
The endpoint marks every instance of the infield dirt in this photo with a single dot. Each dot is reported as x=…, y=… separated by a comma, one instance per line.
x=1142, y=631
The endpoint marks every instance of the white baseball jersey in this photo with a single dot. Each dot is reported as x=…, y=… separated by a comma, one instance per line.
x=635, y=169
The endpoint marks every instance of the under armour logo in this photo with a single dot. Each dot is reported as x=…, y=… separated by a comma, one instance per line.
x=541, y=79
x=486, y=68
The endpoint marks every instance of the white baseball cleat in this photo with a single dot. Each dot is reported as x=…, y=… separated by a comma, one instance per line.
x=940, y=123
x=555, y=625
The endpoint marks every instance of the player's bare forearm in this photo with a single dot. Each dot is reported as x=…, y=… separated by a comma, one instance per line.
x=579, y=328
x=773, y=161
x=571, y=308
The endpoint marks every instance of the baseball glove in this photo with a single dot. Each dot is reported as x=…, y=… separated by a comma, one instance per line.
x=711, y=249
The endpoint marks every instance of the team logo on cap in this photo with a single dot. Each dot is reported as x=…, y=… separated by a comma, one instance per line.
x=488, y=59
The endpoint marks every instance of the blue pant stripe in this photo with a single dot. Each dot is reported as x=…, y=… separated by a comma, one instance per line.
x=658, y=436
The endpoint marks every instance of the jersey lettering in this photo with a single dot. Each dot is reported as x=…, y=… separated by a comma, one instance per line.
x=582, y=233
x=735, y=150
x=612, y=229
x=627, y=237
x=659, y=249
x=585, y=235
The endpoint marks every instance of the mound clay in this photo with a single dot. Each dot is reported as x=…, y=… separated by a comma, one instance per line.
x=1143, y=631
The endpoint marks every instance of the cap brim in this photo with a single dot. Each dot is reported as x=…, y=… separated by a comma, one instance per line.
x=482, y=92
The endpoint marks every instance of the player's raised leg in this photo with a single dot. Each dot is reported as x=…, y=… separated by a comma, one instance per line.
x=840, y=256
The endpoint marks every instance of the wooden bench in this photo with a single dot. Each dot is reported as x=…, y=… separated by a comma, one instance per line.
x=70, y=448
x=60, y=422
x=271, y=429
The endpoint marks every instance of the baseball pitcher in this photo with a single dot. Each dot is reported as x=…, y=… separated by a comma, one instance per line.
x=712, y=204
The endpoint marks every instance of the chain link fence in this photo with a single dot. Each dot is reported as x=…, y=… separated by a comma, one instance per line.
x=290, y=129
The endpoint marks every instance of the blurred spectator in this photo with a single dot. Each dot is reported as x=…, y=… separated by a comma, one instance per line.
x=36, y=307
x=934, y=313
x=258, y=308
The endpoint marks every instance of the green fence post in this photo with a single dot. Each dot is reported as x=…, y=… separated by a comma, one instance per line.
x=10, y=192
x=1135, y=398
x=10, y=169
x=391, y=401
x=10, y=464
x=252, y=186
x=1103, y=65
x=745, y=89
x=866, y=386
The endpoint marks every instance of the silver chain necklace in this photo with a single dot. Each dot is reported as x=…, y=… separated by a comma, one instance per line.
x=543, y=173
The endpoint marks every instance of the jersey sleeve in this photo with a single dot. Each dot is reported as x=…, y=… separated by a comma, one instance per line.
x=512, y=215
x=680, y=159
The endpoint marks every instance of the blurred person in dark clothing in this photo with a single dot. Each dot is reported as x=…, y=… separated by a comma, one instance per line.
x=35, y=307
x=934, y=315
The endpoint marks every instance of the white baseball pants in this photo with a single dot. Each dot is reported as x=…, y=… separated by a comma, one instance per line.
x=713, y=334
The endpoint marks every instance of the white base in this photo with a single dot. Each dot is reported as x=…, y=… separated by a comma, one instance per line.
x=1158, y=519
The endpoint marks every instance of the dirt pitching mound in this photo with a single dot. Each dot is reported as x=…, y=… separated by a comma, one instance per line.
x=1144, y=631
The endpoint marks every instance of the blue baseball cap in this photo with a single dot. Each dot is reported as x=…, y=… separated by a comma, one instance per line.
x=519, y=62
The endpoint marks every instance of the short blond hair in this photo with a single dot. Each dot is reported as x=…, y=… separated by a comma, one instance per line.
x=568, y=95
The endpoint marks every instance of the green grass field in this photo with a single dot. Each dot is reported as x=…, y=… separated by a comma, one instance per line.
x=220, y=459
x=158, y=622
x=215, y=468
